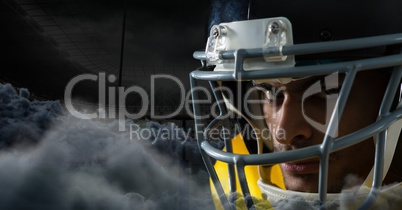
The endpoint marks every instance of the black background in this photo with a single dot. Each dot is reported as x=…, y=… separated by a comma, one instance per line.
x=160, y=37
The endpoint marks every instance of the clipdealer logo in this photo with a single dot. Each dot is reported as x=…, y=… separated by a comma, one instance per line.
x=148, y=100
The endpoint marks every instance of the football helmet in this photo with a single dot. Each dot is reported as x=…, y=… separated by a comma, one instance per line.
x=255, y=43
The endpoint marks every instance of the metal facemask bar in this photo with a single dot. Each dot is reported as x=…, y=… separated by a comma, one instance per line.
x=349, y=68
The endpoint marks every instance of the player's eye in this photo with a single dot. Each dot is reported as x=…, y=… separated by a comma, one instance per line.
x=269, y=93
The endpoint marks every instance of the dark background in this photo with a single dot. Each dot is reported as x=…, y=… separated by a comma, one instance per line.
x=45, y=43
x=89, y=164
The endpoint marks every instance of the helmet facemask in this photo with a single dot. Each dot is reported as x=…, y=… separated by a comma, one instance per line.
x=242, y=70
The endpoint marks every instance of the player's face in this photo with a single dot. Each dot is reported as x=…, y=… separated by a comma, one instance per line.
x=289, y=115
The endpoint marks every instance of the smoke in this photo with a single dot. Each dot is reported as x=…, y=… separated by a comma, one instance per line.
x=51, y=160
x=23, y=121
